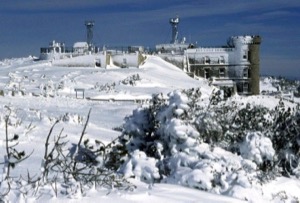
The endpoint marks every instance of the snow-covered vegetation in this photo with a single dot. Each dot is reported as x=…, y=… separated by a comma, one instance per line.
x=141, y=135
x=280, y=86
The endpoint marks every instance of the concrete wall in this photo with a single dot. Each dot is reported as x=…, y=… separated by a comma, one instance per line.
x=125, y=60
x=254, y=59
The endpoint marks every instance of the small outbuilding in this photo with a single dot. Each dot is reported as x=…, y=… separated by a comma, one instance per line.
x=80, y=48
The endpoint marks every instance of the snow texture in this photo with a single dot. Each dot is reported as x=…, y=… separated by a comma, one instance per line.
x=37, y=93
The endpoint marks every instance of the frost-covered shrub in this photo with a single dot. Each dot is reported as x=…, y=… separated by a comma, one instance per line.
x=166, y=138
x=131, y=80
x=105, y=88
x=48, y=89
x=209, y=126
x=214, y=170
x=139, y=165
x=237, y=121
x=160, y=130
x=214, y=145
x=286, y=139
x=72, y=118
x=257, y=148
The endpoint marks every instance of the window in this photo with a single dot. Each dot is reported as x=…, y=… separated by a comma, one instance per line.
x=207, y=60
x=57, y=50
x=245, y=87
x=98, y=62
x=198, y=72
x=222, y=72
x=245, y=54
x=222, y=60
x=206, y=73
x=124, y=64
x=246, y=72
x=249, y=55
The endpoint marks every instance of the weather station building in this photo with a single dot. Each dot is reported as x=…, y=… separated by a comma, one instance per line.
x=58, y=50
x=234, y=67
x=86, y=54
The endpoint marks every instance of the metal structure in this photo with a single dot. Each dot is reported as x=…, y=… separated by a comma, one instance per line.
x=174, y=23
x=89, y=32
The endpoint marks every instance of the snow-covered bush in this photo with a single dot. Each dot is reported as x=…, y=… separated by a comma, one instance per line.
x=162, y=143
x=212, y=145
x=143, y=167
x=131, y=80
x=105, y=88
x=48, y=89
x=257, y=148
x=286, y=139
x=67, y=171
x=72, y=118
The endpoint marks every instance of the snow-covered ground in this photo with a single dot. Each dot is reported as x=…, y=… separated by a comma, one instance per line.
x=38, y=93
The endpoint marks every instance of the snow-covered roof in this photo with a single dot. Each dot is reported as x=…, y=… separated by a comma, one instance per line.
x=80, y=44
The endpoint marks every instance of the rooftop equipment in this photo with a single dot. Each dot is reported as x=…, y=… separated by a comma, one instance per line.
x=89, y=32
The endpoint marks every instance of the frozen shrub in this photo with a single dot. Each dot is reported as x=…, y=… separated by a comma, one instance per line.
x=141, y=166
x=214, y=145
x=168, y=137
x=72, y=118
x=131, y=80
x=257, y=148
x=286, y=139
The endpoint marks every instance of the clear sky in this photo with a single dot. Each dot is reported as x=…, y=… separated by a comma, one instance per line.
x=27, y=25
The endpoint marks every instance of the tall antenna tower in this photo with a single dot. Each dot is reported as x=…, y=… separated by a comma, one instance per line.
x=174, y=23
x=89, y=32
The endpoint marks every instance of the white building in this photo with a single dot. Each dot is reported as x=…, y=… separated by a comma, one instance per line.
x=56, y=50
x=80, y=48
x=238, y=61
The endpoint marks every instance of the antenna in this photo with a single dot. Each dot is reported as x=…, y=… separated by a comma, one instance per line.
x=174, y=23
x=89, y=32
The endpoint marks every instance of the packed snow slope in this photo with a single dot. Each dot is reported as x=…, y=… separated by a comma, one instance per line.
x=34, y=94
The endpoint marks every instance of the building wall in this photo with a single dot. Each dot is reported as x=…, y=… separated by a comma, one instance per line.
x=208, y=62
x=125, y=60
x=254, y=59
x=239, y=62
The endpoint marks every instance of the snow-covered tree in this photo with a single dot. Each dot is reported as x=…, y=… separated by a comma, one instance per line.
x=210, y=144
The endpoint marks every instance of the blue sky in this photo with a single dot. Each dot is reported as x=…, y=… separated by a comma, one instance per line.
x=28, y=25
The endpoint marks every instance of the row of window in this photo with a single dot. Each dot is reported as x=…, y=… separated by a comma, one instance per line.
x=207, y=73
x=242, y=87
x=221, y=59
x=208, y=60
x=221, y=72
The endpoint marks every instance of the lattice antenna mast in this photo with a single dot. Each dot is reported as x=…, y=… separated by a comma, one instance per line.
x=89, y=32
x=174, y=23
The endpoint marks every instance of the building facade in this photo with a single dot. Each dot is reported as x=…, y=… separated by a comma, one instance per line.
x=235, y=65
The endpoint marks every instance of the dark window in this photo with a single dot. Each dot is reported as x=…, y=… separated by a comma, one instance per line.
x=246, y=72
x=222, y=72
x=207, y=60
x=245, y=87
x=222, y=60
x=245, y=54
x=206, y=73
x=249, y=55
